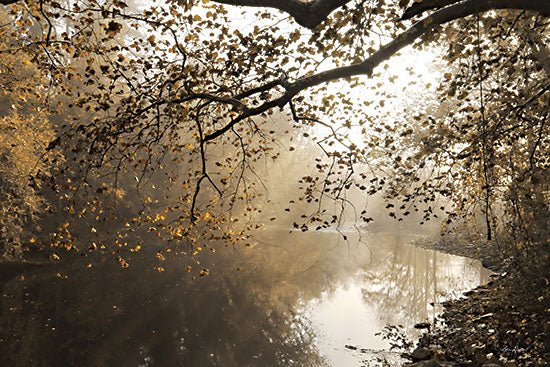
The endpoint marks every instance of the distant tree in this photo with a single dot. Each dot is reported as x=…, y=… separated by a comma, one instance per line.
x=25, y=133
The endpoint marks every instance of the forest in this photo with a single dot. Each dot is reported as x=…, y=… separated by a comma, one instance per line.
x=145, y=140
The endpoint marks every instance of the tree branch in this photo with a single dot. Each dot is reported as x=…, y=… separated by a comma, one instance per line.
x=366, y=67
x=307, y=14
x=204, y=171
x=420, y=7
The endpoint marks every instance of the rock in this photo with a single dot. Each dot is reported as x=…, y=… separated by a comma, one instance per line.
x=421, y=354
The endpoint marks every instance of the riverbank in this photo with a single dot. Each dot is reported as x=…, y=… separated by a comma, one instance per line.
x=503, y=323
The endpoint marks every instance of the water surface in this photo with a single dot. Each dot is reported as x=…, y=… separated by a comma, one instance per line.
x=401, y=285
x=288, y=299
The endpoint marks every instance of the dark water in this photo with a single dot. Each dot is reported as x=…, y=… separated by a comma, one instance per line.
x=292, y=299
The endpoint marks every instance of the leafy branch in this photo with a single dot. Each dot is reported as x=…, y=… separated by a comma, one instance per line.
x=366, y=67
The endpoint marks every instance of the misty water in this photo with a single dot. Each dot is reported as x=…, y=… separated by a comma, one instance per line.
x=288, y=298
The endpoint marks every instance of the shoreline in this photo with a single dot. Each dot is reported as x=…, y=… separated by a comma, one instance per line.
x=504, y=323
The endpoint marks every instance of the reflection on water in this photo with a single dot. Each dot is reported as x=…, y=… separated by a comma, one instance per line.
x=293, y=299
x=401, y=286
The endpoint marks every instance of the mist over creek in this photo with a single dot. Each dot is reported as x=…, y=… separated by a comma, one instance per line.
x=282, y=298
x=292, y=299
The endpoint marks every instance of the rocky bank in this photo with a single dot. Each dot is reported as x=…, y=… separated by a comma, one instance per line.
x=503, y=323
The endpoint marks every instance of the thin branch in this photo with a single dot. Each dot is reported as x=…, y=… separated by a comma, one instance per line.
x=537, y=144
x=334, y=134
x=483, y=122
x=513, y=25
x=532, y=99
x=50, y=26
x=204, y=171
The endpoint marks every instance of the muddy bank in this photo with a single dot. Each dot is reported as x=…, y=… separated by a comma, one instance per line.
x=503, y=323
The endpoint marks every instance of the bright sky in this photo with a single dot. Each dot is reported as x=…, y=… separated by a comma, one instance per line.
x=405, y=82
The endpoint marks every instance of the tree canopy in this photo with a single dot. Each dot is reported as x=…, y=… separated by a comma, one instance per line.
x=166, y=113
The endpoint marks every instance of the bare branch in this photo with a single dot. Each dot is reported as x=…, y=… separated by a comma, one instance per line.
x=204, y=171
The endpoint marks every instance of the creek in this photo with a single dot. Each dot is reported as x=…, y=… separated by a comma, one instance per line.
x=286, y=299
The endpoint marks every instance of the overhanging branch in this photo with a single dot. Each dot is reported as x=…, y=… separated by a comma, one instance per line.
x=366, y=67
x=306, y=14
x=420, y=7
